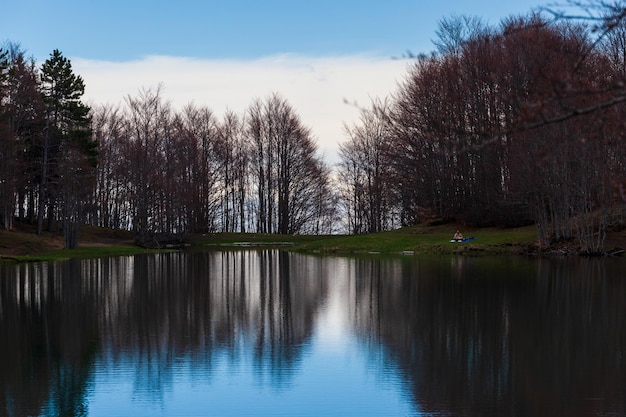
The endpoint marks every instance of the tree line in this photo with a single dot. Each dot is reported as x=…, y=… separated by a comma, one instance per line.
x=164, y=171
x=47, y=151
x=146, y=167
x=502, y=126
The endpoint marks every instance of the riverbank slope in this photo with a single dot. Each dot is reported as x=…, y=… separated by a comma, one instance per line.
x=23, y=244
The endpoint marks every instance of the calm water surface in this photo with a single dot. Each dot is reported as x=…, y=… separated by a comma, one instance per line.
x=268, y=333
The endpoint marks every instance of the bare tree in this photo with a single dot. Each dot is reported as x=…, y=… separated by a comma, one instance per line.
x=233, y=152
x=201, y=129
x=490, y=130
x=613, y=45
x=365, y=170
x=148, y=121
x=7, y=149
x=453, y=32
x=286, y=168
x=112, y=194
x=22, y=115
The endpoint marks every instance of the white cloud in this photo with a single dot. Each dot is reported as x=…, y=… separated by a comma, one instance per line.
x=316, y=87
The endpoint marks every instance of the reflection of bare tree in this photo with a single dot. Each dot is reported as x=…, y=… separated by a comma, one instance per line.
x=211, y=303
x=485, y=337
x=504, y=340
x=578, y=319
x=150, y=310
x=44, y=365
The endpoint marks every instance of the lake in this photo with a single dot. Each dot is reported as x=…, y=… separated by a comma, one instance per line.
x=272, y=333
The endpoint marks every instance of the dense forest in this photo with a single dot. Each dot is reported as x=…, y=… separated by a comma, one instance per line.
x=510, y=125
x=506, y=126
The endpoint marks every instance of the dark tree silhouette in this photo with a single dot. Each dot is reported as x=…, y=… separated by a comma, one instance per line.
x=69, y=154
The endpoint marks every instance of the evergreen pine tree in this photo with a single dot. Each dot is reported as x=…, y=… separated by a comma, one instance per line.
x=69, y=153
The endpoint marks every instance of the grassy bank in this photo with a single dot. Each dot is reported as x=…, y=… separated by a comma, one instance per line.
x=417, y=239
x=22, y=244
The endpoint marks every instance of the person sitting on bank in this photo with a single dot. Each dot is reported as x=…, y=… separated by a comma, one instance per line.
x=458, y=235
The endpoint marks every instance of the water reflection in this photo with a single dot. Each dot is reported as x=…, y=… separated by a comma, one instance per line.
x=448, y=335
x=508, y=338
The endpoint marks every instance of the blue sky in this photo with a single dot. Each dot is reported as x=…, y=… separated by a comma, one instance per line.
x=130, y=29
x=223, y=54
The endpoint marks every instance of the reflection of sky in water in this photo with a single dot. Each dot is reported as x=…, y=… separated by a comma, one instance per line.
x=336, y=374
x=265, y=333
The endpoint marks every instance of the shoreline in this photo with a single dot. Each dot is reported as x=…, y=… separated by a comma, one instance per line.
x=23, y=245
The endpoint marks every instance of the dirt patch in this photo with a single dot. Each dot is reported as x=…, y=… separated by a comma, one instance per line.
x=19, y=243
x=23, y=239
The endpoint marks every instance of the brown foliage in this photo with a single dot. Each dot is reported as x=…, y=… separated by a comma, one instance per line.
x=518, y=123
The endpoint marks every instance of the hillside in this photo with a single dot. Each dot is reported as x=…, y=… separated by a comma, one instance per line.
x=24, y=242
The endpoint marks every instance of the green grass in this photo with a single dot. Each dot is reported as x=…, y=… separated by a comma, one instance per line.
x=25, y=246
x=78, y=253
x=424, y=239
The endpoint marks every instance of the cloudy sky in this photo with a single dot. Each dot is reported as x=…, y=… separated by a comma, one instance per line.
x=224, y=54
